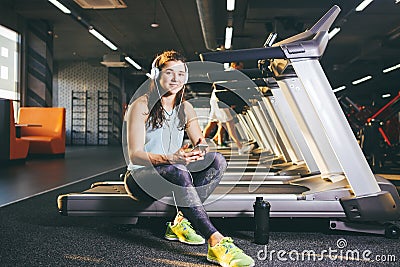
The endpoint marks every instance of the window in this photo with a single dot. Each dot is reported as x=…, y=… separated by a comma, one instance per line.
x=9, y=64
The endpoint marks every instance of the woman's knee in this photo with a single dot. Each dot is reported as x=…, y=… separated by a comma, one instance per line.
x=219, y=161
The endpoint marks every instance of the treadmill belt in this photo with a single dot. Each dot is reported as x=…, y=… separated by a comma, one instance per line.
x=220, y=189
x=254, y=177
x=106, y=189
x=263, y=189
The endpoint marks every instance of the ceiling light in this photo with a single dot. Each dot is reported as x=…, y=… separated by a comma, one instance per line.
x=154, y=24
x=133, y=63
x=228, y=37
x=386, y=95
x=110, y=45
x=230, y=5
x=60, y=6
x=391, y=68
x=366, y=78
x=339, y=89
x=102, y=38
x=333, y=32
x=363, y=5
x=270, y=39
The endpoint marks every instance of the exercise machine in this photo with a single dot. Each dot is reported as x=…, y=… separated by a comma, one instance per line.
x=356, y=201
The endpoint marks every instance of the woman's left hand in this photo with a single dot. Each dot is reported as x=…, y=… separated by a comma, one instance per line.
x=185, y=156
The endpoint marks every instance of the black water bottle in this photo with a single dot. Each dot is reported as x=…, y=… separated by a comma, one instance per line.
x=261, y=218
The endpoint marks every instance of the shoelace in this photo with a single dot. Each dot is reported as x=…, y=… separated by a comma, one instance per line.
x=230, y=247
x=187, y=226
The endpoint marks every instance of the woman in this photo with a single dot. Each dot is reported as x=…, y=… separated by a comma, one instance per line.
x=222, y=115
x=161, y=166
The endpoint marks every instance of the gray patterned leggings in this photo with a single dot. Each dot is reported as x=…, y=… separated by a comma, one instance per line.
x=192, y=184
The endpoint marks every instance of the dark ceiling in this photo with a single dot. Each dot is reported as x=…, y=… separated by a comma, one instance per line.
x=368, y=42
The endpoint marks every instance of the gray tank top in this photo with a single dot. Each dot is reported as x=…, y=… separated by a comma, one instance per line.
x=165, y=140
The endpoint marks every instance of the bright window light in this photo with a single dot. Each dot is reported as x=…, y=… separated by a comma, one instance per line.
x=133, y=63
x=4, y=72
x=228, y=37
x=4, y=52
x=9, y=63
x=102, y=38
x=339, y=89
x=9, y=34
x=391, y=68
x=363, y=5
x=366, y=78
x=386, y=95
x=333, y=32
x=60, y=6
x=230, y=5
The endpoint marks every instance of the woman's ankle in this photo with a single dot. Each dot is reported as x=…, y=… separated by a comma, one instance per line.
x=215, y=238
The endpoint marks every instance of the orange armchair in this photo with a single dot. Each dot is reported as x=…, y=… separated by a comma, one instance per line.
x=48, y=137
x=12, y=147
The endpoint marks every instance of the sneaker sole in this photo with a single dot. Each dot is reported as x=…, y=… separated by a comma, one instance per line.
x=225, y=264
x=171, y=238
x=217, y=262
x=183, y=241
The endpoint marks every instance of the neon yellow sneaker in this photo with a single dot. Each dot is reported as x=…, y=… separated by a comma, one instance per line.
x=226, y=254
x=183, y=231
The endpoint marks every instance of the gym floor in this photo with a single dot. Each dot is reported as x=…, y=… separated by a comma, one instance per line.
x=21, y=180
x=34, y=234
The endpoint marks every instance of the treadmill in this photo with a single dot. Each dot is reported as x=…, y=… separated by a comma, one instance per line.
x=278, y=122
x=258, y=120
x=357, y=201
x=257, y=124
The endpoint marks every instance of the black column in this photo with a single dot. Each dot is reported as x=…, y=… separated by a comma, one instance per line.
x=4, y=129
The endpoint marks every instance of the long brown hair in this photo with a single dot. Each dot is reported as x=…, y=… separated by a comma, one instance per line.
x=156, y=115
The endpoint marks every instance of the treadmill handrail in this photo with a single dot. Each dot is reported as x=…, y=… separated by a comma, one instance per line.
x=298, y=46
x=322, y=25
x=243, y=54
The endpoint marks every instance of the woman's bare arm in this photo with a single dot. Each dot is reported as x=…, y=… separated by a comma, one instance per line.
x=136, y=135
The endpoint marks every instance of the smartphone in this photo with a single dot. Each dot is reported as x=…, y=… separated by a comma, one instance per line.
x=201, y=147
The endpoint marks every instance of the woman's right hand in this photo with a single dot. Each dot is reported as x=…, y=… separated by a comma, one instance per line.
x=183, y=156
